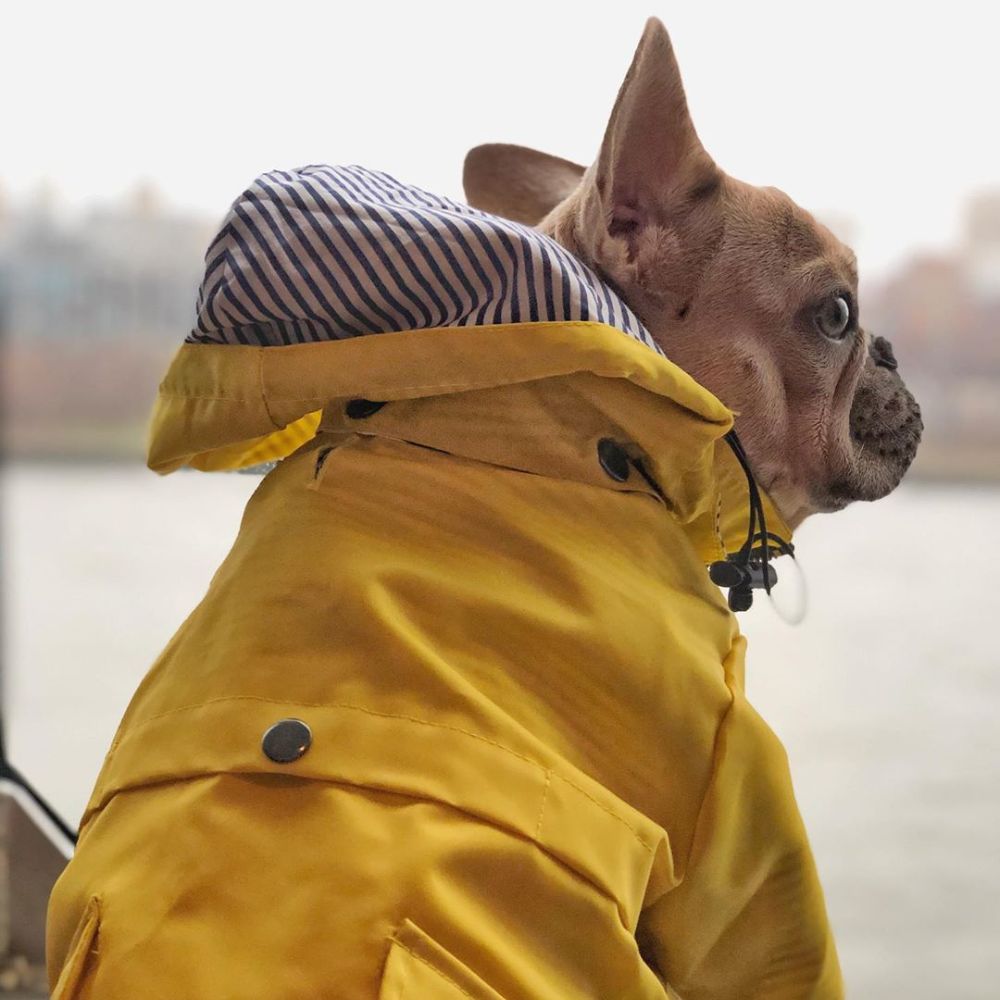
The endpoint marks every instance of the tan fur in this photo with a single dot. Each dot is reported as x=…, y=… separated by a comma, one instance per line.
x=518, y=183
x=727, y=278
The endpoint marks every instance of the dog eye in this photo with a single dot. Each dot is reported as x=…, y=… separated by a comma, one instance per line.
x=833, y=317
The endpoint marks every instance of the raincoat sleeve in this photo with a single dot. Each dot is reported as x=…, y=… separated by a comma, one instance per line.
x=748, y=920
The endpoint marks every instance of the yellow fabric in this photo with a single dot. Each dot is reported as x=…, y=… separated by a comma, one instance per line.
x=217, y=396
x=533, y=772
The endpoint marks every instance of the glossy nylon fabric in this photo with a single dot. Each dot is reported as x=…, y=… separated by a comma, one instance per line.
x=533, y=771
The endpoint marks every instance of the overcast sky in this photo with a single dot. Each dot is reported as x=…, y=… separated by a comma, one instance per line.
x=881, y=112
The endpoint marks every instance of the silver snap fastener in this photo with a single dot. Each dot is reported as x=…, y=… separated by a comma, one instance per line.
x=613, y=459
x=286, y=740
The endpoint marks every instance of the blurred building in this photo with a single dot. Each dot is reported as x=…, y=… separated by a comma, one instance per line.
x=942, y=314
x=91, y=310
x=981, y=247
x=128, y=270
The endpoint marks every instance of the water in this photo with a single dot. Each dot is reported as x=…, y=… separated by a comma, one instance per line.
x=886, y=697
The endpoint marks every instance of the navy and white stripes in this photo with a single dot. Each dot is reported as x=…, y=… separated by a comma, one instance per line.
x=323, y=253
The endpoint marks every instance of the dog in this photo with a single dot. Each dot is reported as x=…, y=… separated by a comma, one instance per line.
x=742, y=288
x=462, y=714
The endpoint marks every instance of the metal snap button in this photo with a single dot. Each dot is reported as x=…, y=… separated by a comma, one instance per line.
x=357, y=409
x=613, y=459
x=286, y=740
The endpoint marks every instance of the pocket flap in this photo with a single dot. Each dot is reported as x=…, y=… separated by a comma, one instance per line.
x=420, y=968
x=75, y=965
x=565, y=811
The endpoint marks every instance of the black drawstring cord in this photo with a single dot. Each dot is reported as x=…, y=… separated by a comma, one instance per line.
x=12, y=774
x=748, y=568
x=756, y=506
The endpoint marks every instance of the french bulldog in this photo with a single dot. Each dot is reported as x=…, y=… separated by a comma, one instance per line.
x=742, y=288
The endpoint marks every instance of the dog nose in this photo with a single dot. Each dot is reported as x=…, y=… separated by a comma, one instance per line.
x=881, y=352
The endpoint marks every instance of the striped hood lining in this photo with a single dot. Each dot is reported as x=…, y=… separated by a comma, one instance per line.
x=326, y=253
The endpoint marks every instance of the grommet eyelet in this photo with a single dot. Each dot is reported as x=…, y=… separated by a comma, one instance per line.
x=613, y=458
x=358, y=409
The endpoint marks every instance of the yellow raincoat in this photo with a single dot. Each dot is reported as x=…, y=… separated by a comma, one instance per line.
x=523, y=765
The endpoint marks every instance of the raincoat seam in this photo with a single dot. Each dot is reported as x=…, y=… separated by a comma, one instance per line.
x=545, y=799
x=263, y=392
x=366, y=786
x=712, y=774
x=75, y=962
x=480, y=328
x=613, y=487
x=432, y=967
x=408, y=387
x=218, y=399
x=650, y=848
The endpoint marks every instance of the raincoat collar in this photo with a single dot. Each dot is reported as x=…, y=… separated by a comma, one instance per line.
x=229, y=407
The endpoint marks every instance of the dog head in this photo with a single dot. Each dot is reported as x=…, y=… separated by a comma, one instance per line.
x=740, y=286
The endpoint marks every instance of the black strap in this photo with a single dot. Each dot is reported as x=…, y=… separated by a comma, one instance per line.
x=11, y=773
x=750, y=560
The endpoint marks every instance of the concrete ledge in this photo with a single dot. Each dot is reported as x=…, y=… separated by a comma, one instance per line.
x=32, y=855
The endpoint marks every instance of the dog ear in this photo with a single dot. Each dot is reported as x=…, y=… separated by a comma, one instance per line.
x=652, y=169
x=516, y=182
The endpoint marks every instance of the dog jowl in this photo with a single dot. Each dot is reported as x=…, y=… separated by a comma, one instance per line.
x=741, y=287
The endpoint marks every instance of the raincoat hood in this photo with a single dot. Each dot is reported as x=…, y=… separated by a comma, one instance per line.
x=331, y=283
